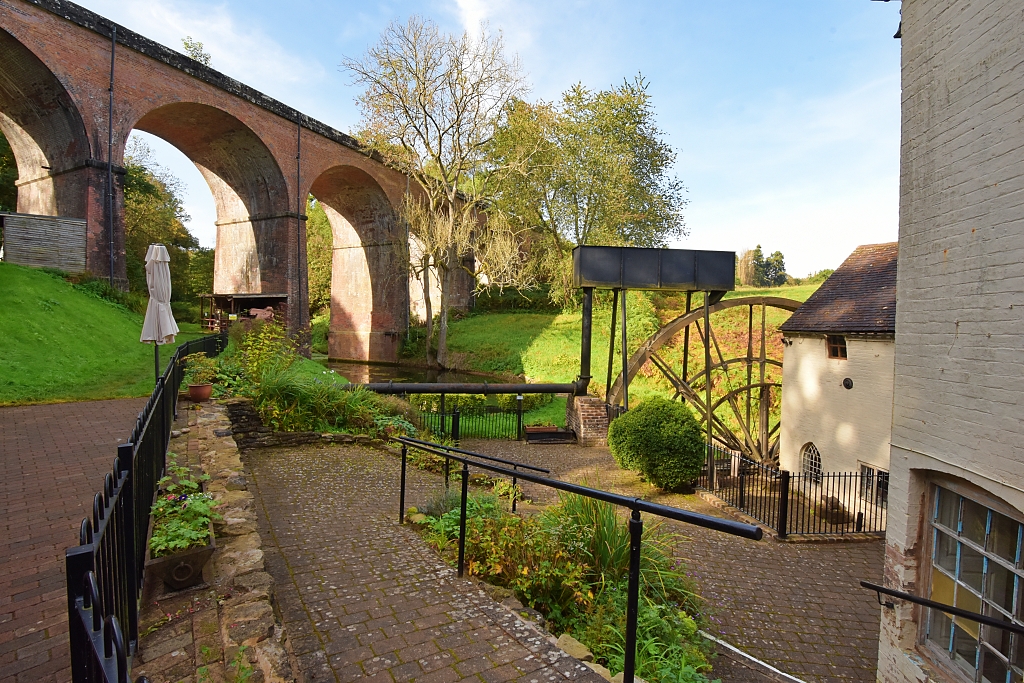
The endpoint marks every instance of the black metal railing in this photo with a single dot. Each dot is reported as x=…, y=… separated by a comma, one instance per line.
x=476, y=422
x=635, y=505
x=798, y=502
x=987, y=620
x=105, y=570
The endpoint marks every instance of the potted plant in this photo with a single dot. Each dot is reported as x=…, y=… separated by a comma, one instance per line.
x=200, y=371
x=181, y=539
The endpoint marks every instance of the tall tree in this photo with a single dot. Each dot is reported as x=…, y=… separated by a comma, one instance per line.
x=431, y=104
x=591, y=169
x=319, y=255
x=153, y=212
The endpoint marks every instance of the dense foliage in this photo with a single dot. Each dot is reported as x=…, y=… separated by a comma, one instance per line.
x=593, y=168
x=661, y=440
x=8, y=176
x=182, y=512
x=570, y=563
x=153, y=213
x=754, y=268
x=319, y=255
x=291, y=393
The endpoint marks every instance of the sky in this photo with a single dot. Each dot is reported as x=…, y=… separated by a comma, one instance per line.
x=785, y=114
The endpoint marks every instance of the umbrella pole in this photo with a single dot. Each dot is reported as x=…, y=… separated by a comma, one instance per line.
x=156, y=361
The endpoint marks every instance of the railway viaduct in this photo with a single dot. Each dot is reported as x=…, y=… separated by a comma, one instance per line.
x=260, y=158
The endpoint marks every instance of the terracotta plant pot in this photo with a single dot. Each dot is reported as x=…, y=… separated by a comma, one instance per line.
x=200, y=393
x=184, y=569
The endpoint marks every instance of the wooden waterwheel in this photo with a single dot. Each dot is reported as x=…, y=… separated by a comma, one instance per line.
x=745, y=388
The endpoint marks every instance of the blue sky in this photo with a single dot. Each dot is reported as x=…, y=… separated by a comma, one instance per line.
x=785, y=114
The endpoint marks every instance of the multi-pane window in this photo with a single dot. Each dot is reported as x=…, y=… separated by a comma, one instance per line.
x=976, y=565
x=836, y=346
x=811, y=461
x=874, y=485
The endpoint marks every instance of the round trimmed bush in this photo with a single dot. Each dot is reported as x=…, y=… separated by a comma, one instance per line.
x=661, y=440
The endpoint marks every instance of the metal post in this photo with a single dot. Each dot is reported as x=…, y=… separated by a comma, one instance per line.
x=401, y=495
x=585, y=343
x=156, y=363
x=462, y=519
x=707, y=390
x=625, y=368
x=742, y=477
x=515, y=482
x=636, y=532
x=442, y=411
x=611, y=344
x=456, y=432
x=686, y=342
x=519, y=417
x=447, y=471
x=783, y=504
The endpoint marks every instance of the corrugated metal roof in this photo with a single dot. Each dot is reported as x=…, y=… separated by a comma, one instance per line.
x=859, y=297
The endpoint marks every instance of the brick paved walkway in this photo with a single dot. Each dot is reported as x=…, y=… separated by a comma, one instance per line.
x=797, y=606
x=364, y=598
x=53, y=459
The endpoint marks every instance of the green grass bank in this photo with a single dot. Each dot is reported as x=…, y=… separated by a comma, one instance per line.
x=61, y=343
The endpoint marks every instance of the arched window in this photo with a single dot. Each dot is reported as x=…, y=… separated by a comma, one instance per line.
x=810, y=461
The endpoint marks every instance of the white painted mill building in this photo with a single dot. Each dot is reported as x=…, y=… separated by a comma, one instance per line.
x=838, y=371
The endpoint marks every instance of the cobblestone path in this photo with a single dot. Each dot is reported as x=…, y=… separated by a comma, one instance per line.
x=364, y=598
x=797, y=606
x=53, y=459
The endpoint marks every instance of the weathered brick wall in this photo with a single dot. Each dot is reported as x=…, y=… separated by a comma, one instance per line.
x=587, y=417
x=959, y=379
x=848, y=426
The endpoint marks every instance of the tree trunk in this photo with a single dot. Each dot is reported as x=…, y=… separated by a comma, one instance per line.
x=445, y=276
x=429, y=311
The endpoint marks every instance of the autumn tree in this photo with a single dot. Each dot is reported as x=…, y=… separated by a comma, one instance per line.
x=430, y=106
x=593, y=168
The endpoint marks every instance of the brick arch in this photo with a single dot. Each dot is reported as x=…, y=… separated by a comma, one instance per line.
x=369, y=289
x=249, y=191
x=46, y=133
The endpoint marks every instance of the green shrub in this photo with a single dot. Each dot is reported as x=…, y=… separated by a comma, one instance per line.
x=661, y=440
x=318, y=333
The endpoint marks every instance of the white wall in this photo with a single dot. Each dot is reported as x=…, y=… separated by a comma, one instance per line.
x=959, y=370
x=849, y=426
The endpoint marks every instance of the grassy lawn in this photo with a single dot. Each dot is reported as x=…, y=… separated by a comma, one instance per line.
x=62, y=344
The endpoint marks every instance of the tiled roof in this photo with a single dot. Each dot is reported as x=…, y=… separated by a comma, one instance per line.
x=859, y=297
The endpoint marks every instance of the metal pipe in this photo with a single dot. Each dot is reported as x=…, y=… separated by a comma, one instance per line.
x=417, y=442
x=625, y=367
x=110, y=153
x=585, y=341
x=992, y=622
x=462, y=519
x=636, y=532
x=611, y=344
x=462, y=388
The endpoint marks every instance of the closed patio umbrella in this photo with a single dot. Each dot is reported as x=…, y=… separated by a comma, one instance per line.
x=159, y=326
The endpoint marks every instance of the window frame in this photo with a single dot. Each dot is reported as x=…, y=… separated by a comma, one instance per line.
x=816, y=472
x=879, y=490
x=946, y=659
x=836, y=346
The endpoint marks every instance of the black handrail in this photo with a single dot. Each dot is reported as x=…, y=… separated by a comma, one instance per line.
x=942, y=607
x=105, y=571
x=636, y=506
x=453, y=449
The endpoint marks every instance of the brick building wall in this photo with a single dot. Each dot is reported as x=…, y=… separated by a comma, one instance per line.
x=588, y=418
x=959, y=375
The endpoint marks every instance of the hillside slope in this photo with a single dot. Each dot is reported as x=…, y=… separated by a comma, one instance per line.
x=59, y=343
